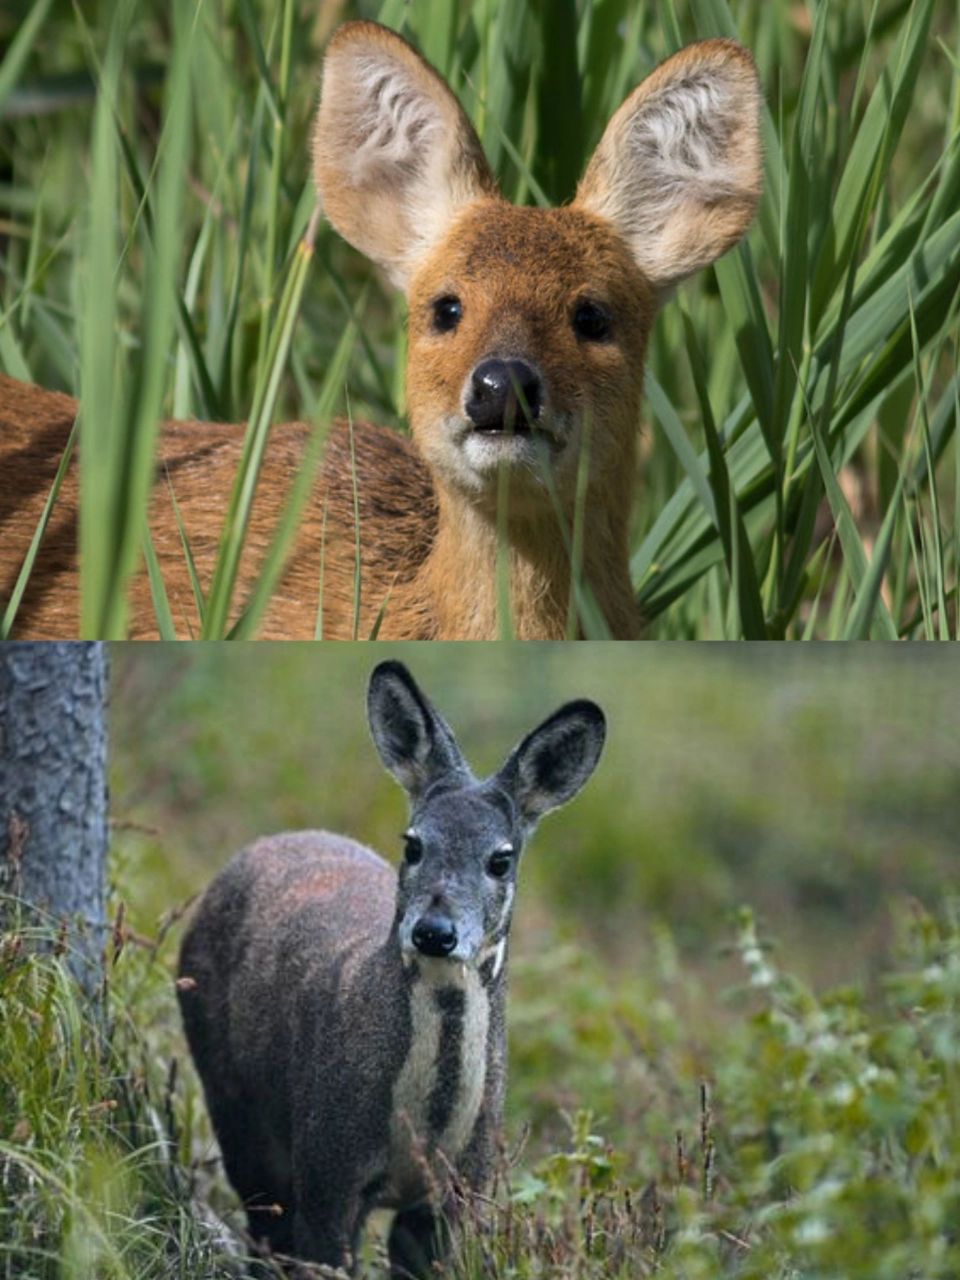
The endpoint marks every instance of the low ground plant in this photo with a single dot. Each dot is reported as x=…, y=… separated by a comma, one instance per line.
x=799, y=1135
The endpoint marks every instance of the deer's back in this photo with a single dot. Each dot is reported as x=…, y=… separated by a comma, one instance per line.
x=293, y=914
x=290, y=1003
x=372, y=481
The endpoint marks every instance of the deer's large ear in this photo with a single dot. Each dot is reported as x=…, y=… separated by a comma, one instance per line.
x=553, y=762
x=414, y=741
x=678, y=170
x=394, y=154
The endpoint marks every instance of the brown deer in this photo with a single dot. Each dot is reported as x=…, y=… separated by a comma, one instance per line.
x=527, y=337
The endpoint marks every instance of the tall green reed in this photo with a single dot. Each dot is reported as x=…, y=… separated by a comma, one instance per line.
x=819, y=354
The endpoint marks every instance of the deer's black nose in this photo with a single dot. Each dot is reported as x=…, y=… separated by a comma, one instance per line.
x=434, y=935
x=505, y=395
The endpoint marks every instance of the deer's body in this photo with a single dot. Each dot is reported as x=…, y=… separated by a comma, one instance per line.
x=436, y=583
x=196, y=464
x=349, y=1026
x=347, y=1110
x=528, y=331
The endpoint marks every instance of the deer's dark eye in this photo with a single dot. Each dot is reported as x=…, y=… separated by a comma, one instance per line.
x=499, y=863
x=412, y=849
x=591, y=321
x=447, y=312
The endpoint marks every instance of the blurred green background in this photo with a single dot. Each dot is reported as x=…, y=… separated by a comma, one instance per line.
x=820, y=787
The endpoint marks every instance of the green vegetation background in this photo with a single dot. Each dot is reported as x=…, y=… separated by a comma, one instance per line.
x=801, y=468
x=815, y=786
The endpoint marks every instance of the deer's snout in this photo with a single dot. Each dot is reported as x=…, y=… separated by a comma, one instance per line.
x=505, y=395
x=434, y=935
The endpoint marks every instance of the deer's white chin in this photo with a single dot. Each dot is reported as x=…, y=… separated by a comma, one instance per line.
x=472, y=460
x=466, y=955
x=444, y=971
x=486, y=451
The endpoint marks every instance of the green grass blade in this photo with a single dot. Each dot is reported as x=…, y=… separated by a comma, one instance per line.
x=159, y=322
x=559, y=148
x=318, y=625
x=677, y=437
x=741, y=299
x=872, y=151
x=255, y=441
x=20, y=46
x=199, y=598
x=853, y=553
x=23, y=577
x=102, y=426
x=158, y=591
x=282, y=541
x=436, y=33
x=733, y=535
x=861, y=618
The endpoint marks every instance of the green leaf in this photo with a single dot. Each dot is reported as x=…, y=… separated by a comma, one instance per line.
x=733, y=535
x=19, y=48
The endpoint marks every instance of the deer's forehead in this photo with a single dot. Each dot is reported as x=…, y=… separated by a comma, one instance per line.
x=499, y=246
x=474, y=813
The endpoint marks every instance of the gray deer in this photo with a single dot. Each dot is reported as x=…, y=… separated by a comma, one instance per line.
x=348, y=1023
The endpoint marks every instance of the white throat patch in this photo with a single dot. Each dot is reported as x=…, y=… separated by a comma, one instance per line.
x=449, y=1015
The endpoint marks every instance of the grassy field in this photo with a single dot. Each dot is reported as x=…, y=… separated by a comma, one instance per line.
x=755, y=896
x=801, y=464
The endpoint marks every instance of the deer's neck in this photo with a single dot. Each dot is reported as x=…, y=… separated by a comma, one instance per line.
x=439, y=1091
x=463, y=573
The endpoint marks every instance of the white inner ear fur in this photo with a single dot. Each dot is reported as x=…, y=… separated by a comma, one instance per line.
x=396, y=156
x=678, y=172
x=679, y=147
x=396, y=124
x=400, y=132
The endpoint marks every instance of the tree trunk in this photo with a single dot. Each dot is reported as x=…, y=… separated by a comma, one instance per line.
x=53, y=791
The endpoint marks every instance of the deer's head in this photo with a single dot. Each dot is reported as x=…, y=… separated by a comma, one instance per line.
x=528, y=327
x=465, y=836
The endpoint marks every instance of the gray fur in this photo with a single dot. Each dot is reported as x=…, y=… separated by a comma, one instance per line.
x=343, y=1069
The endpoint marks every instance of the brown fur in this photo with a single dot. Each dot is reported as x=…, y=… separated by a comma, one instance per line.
x=492, y=255
x=197, y=463
x=401, y=175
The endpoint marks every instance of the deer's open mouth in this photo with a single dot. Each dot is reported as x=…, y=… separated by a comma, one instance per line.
x=475, y=455
x=521, y=441
x=505, y=429
x=513, y=418
x=515, y=425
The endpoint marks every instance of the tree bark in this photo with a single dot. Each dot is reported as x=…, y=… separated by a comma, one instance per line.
x=53, y=792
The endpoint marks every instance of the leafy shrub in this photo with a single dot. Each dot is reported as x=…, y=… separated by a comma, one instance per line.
x=827, y=1144
x=798, y=1136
